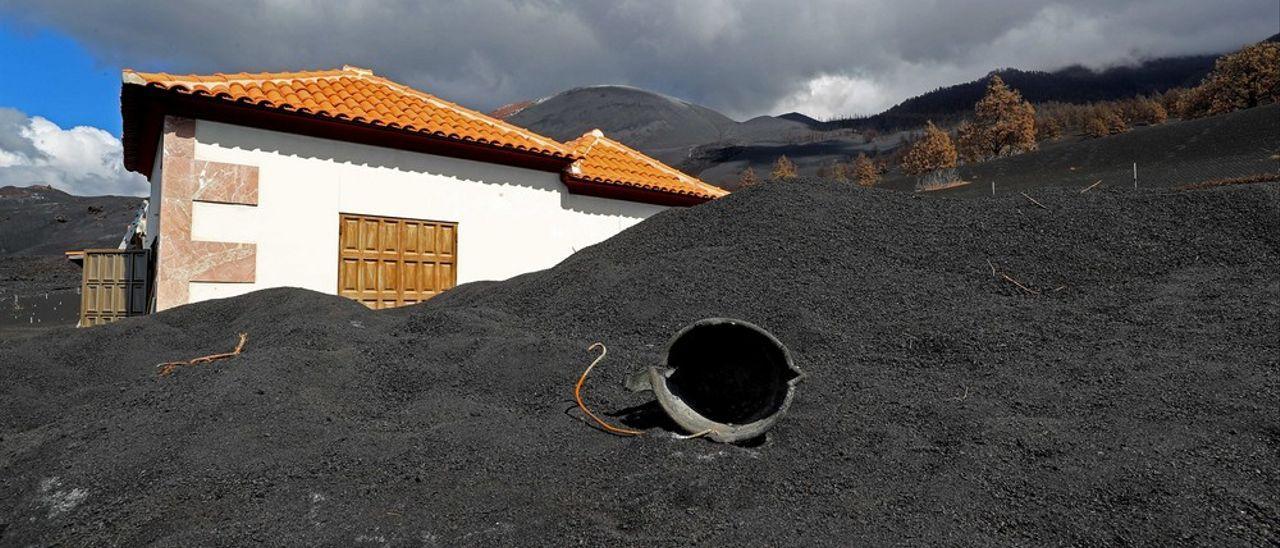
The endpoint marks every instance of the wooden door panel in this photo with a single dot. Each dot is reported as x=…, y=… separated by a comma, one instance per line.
x=386, y=261
x=410, y=247
x=447, y=276
x=427, y=240
x=446, y=241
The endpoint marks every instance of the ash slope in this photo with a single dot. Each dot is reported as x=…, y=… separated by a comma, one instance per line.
x=43, y=221
x=1134, y=399
x=1238, y=144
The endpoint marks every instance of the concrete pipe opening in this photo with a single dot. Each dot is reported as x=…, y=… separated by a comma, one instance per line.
x=727, y=379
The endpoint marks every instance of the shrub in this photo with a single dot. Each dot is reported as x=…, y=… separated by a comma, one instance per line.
x=938, y=180
x=748, y=177
x=834, y=170
x=865, y=172
x=1048, y=128
x=1097, y=127
x=934, y=151
x=1103, y=121
x=783, y=169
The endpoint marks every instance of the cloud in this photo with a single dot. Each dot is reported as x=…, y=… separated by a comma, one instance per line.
x=81, y=160
x=744, y=57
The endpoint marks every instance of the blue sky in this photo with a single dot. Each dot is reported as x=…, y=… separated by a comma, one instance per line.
x=74, y=89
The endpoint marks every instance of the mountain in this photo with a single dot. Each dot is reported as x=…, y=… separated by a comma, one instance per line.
x=802, y=118
x=664, y=127
x=1074, y=84
x=688, y=136
x=640, y=118
x=41, y=220
x=506, y=111
x=710, y=145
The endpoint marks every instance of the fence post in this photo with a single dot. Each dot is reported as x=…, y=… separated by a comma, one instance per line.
x=1135, y=175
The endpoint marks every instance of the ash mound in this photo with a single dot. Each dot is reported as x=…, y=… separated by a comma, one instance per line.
x=1125, y=390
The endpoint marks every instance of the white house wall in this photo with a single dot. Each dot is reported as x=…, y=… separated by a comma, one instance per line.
x=153, y=207
x=510, y=220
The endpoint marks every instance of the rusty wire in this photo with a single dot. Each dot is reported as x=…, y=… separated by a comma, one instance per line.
x=168, y=367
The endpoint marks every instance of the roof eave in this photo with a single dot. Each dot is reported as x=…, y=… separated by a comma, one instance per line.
x=586, y=187
x=143, y=109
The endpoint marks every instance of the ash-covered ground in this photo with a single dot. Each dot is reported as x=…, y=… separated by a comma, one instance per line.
x=1130, y=394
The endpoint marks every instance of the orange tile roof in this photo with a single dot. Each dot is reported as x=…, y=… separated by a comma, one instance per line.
x=357, y=95
x=603, y=160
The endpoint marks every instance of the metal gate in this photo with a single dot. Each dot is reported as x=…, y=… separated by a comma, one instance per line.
x=114, y=286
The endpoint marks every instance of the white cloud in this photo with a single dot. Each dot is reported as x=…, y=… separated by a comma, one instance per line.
x=831, y=95
x=81, y=160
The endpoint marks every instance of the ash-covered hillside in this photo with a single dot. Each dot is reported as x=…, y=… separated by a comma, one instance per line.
x=44, y=221
x=1103, y=370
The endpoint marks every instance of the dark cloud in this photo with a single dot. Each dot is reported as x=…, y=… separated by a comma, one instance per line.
x=744, y=57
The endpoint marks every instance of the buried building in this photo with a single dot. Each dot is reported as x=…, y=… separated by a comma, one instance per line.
x=345, y=182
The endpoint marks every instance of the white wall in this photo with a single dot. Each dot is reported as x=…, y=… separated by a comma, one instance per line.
x=153, y=203
x=510, y=220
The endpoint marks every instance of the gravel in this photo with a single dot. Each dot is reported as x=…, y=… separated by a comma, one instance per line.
x=1130, y=395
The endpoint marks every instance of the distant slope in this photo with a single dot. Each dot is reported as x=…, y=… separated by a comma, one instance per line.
x=506, y=111
x=633, y=116
x=1074, y=84
x=666, y=128
x=802, y=118
x=1231, y=145
x=40, y=220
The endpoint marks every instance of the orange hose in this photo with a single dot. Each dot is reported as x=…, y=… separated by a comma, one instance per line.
x=577, y=395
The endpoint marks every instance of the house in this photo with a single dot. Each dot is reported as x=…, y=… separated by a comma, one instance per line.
x=345, y=182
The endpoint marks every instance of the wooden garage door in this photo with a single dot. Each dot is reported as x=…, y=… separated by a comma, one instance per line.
x=386, y=261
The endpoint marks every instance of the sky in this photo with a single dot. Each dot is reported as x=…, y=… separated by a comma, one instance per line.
x=824, y=58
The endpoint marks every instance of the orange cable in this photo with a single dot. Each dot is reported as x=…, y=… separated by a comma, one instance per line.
x=577, y=395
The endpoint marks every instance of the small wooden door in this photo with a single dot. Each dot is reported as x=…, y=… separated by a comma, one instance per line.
x=387, y=261
x=113, y=286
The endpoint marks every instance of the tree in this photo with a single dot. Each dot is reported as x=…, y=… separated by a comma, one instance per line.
x=1103, y=121
x=1096, y=126
x=1157, y=113
x=834, y=170
x=1171, y=100
x=970, y=144
x=1048, y=128
x=1003, y=124
x=865, y=172
x=748, y=177
x=783, y=169
x=1115, y=123
x=933, y=152
x=1244, y=79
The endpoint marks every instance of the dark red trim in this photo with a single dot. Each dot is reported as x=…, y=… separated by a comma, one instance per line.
x=630, y=193
x=143, y=109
